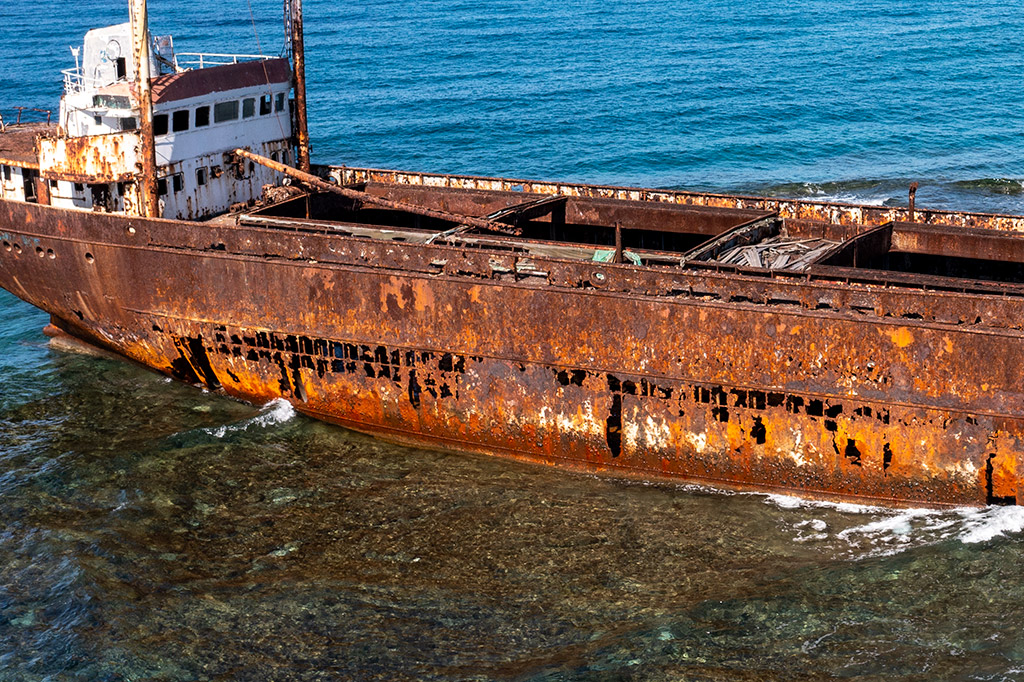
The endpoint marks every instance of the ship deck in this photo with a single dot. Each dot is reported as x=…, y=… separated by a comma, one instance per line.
x=668, y=229
x=18, y=143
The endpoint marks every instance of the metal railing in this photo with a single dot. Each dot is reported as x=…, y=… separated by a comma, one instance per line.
x=76, y=81
x=202, y=60
x=31, y=118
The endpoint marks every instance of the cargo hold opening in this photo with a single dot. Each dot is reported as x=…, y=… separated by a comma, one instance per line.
x=586, y=221
x=938, y=251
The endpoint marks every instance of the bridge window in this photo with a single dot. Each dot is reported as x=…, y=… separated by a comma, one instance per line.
x=279, y=104
x=249, y=107
x=160, y=124
x=128, y=123
x=7, y=172
x=266, y=105
x=178, y=182
x=225, y=111
x=202, y=117
x=201, y=176
x=180, y=120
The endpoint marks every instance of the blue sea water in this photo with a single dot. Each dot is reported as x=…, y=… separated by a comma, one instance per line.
x=152, y=531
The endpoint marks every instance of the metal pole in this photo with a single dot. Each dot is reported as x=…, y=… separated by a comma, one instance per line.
x=147, y=146
x=324, y=186
x=299, y=82
x=910, y=211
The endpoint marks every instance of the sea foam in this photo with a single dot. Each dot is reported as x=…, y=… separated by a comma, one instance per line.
x=273, y=413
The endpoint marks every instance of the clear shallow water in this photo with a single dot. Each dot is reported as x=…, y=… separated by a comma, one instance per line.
x=152, y=531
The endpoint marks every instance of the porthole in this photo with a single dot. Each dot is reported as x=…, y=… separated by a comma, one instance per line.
x=7, y=246
x=89, y=258
x=40, y=252
x=50, y=254
x=17, y=248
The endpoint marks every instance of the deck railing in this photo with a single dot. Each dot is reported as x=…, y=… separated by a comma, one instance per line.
x=203, y=60
x=76, y=81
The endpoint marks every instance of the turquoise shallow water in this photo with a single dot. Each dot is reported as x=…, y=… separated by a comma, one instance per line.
x=152, y=531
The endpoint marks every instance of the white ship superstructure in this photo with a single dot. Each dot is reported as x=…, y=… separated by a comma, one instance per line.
x=203, y=107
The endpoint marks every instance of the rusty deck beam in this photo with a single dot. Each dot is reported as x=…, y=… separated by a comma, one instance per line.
x=322, y=185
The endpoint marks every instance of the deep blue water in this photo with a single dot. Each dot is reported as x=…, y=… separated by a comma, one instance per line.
x=152, y=531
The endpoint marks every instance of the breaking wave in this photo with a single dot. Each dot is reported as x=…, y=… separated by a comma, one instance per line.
x=861, y=531
x=987, y=195
x=273, y=413
x=991, y=186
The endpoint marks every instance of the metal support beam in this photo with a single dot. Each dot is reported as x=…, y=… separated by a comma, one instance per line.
x=365, y=197
x=150, y=207
x=298, y=51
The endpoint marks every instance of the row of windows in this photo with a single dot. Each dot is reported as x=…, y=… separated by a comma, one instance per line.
x=123, y=123
x=176, y=182
x=179, y=121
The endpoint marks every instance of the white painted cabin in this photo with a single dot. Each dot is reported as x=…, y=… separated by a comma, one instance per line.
x=204, y=106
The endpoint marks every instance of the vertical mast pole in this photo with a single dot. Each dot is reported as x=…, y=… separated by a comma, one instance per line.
x=299, y=82
x=147, y=147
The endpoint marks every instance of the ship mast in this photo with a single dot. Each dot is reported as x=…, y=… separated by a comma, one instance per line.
x=147, y=146
x=293, y=15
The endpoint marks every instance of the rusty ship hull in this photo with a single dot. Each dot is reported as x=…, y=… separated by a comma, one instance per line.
x=835, y=380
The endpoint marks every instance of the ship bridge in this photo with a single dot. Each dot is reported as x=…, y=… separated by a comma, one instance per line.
x=203, y=106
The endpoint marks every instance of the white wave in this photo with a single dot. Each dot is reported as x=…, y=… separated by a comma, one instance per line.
x=793, y=502
x=851, y=198
x=273, y=413
x=841, y=527
x=990, y=523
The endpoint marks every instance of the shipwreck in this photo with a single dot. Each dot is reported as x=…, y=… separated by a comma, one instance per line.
x=169, y=213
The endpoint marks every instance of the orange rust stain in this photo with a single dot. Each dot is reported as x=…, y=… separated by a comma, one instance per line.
x=392, y=289
x=474, y=293
x=422, y=295
x=901, y=337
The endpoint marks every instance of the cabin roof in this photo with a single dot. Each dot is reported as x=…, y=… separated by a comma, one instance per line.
x=18, y=143
x=199, y=82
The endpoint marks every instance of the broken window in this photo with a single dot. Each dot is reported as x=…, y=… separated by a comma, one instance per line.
x=160, y=124
x=225, y=111
x=266, y=105
x=201, y=174
x=7, y=172
x=249, y=107
x=202, y=117
x=178, y=182
x=180, y=121
x=101, y=197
